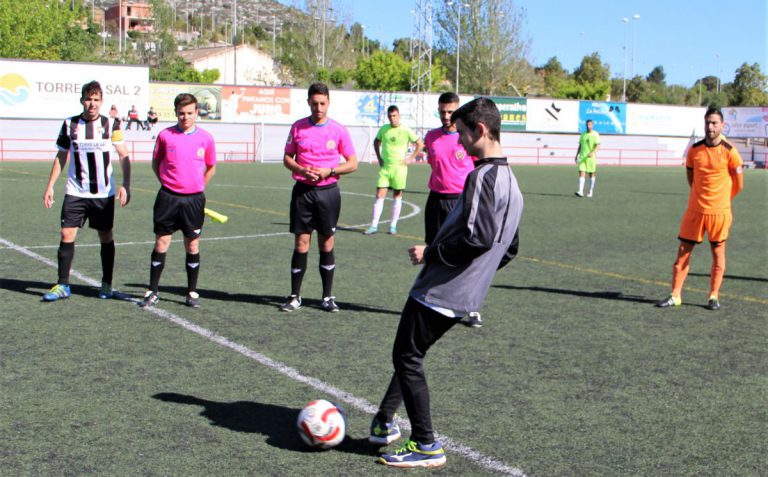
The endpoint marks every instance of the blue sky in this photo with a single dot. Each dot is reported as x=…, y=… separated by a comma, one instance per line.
x=689, y=38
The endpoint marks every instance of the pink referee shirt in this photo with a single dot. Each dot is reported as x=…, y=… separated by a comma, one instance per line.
x=184, y=158
x=318, y=145
x=450, y=162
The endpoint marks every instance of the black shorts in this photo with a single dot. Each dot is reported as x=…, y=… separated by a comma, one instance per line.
x=185, y=212
x=99, y=212
x=436, y=211
x=315, y=208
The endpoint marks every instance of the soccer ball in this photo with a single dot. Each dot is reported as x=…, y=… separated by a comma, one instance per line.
x=321, y=424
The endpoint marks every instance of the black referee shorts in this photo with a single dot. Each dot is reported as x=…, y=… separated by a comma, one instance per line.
x=173, y=211
x=315, y=208
x=436, y=211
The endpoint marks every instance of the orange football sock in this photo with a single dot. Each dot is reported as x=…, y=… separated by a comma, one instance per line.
x=681, y=267
x=718, y=269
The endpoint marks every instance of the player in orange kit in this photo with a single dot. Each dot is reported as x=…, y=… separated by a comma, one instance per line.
x=714, y=170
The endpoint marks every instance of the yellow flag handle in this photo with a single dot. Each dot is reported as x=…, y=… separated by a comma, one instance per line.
x=215, y=216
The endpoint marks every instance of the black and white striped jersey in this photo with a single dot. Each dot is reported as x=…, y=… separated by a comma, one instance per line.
x=90, y=144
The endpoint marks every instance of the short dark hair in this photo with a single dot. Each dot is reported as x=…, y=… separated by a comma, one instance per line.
x=589, y=121
x=183, y=99
x=393, y=108
x=714, y=110
x=449, y=97
x=318, y=88
x=480, y=110
x=90, y=88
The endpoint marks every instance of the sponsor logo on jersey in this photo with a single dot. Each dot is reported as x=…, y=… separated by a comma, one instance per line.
x=91, y=145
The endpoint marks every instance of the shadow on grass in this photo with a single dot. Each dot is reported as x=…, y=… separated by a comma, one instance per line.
x=732, y=277
x=277, y=423
x=39, y=289
x=607, y=295
x=176, y=294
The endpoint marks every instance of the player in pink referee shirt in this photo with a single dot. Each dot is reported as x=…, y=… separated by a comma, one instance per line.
x=312, y=154
x=450, y=167
x=184, y=160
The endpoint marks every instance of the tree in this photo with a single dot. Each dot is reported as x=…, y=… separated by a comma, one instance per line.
x=402, y=47
x=554, y=75
x=383, y=71
x=636, y=89
x=592, y=70
x=657, y=76
x=339, y=78
x=45, y=30
x=493, y=45
x=710, y=82
x=176, y=69
x=591, y=80
x=749, y=86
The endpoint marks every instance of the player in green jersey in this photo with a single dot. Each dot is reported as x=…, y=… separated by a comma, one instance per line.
x=391, y=146
x=589, y=142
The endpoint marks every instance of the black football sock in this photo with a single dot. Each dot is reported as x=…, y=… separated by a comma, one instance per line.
x=66, y=255
x=155, y=270
x=107, y=261
x=298, y=267
x=193, y=271
x=327, y=267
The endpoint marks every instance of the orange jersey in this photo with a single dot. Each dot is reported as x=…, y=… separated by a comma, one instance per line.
x=712, y=168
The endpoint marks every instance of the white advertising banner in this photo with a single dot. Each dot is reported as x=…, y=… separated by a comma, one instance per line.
x=51, y=90
x=552, y=115
x=655, y=120
x=745, y=122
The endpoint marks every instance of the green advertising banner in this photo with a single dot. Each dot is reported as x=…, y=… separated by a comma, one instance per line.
x=514, y=112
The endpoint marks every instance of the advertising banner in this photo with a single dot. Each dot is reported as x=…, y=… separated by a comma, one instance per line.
x=745, y=122
x=51, y=90
x=513, y=111
x=252, y=104
x=652, y=120
x=608, y=118
x=552, y=115
x=208, y=99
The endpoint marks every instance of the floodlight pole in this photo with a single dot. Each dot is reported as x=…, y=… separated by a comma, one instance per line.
x=624, y=91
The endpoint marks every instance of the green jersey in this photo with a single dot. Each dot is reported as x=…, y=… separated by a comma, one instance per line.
x=587, y=144
x=394, y=143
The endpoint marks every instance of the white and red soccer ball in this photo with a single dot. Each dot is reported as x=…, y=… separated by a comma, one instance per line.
x=321, y=424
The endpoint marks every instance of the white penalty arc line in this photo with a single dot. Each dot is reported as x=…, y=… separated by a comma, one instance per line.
x=340, y=395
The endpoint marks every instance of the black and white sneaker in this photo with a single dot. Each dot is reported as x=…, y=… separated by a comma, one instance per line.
x=329, y=304
x=293, y=304
x=193, y=300
x=474, y=320
x=150, y=299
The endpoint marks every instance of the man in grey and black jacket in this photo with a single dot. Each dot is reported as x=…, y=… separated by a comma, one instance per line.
x=478, y=237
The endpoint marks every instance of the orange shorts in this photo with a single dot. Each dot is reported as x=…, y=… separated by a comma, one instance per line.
x=694, y=224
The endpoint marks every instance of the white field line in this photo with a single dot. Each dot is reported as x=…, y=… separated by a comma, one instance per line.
x=416, y=210
x=323, y=387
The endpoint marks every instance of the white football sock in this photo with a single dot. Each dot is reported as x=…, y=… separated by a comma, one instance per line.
x=378, y=206
x=592, y=184
x=396, y=206
x=581, y=185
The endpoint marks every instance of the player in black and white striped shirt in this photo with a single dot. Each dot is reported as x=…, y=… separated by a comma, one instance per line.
x=88, y=139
